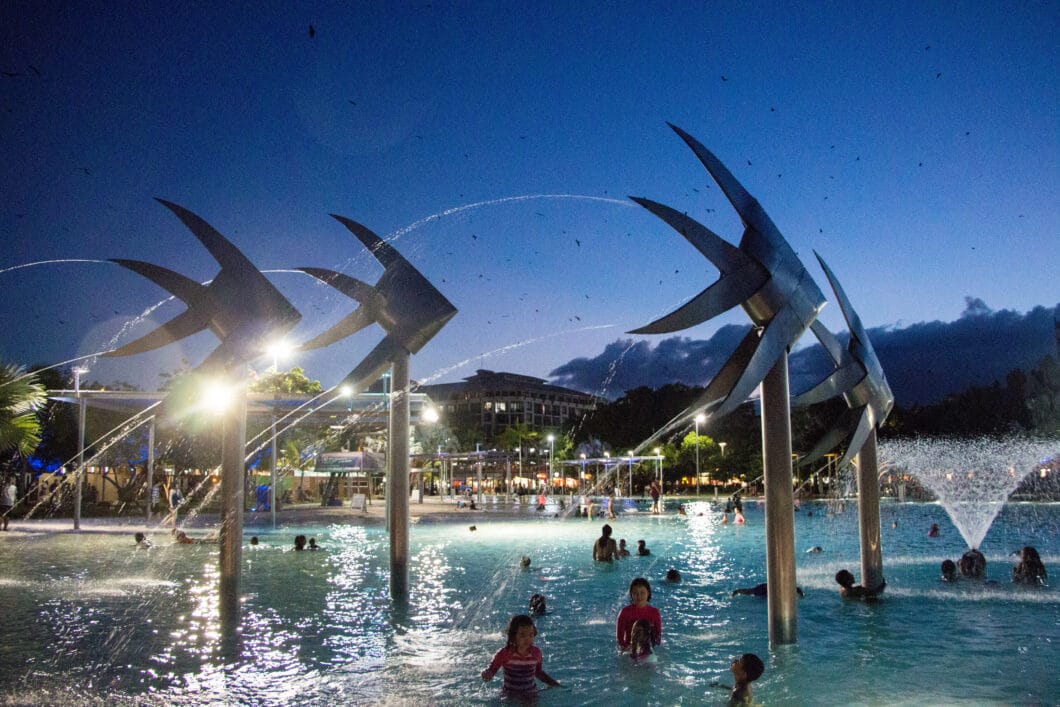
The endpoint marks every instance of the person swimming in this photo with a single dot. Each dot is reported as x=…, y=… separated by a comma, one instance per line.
x=1031, y=569
x=537, y=605
x=949, y=571
x=524, y=562
x=673, y=576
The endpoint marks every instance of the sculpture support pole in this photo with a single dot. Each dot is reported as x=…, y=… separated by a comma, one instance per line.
x=780, y=514
x=398, y=491
x=869, y=513
x=233, y=444
x=81, y=409
x=150, y=467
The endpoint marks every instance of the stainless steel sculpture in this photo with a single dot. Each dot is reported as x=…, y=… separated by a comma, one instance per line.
x=403, y=302
x=243, y=309
x=411, y=311
x=859, y=378
x=763, y=275
x=240, y=306
x=766, y=278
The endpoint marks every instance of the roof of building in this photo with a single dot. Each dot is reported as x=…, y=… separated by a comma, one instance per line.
x=490, y=381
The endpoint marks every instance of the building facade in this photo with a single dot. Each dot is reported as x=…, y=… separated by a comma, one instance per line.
x=498, y=400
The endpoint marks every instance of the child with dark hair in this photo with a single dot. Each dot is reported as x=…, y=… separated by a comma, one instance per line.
x=520, y=658
x=745, y=670
x=640, y=642
x=142, y=543
x=848, y=589
x=638, y=608
x=972, y=564
x=1030, y=569
x=537, y=605
x=949, y=571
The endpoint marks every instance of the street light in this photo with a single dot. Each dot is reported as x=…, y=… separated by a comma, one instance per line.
x=551, y=452
x=699, y=418
x=276, y=349
x=631, y=473
x=581, y=479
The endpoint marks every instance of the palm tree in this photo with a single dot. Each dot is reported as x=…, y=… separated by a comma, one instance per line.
x=20, y=398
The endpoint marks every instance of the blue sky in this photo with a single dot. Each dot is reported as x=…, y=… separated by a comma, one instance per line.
x=914, y=146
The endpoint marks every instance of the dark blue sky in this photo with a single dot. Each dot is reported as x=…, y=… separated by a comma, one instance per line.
x=914, y=146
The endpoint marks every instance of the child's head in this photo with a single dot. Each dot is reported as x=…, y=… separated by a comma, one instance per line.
x=640, y=637
x=299, y=541
x=949, y=570
x=537, y=604
x=844, y=579
x=524, y=562
x=622, y=543
x=639, y=591
x=521, y=632
x=672, y=575
x=640, y=543
x=312, y=542
x=747, y=668
x=253, y=539
x=139, y=537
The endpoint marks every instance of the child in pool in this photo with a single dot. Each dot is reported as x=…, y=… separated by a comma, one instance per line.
x=745, y=670
x=640, y=642
x=142, y=543
x=520, y=658
x=537, y=605
x=638, y=608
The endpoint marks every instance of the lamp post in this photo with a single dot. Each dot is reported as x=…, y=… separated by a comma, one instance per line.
x=551, y=452
x=78, y=372
x=581, y=479
x=430, y=416
x=699, y=418
x=722, y=445
x=631, y=473
x=607, y=458
x=658, y=474
x=280, y=348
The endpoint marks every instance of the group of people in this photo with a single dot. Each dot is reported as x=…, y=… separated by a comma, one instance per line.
x=638, y=630
x=735, y=506
x=182, y=538
x=1030, y=569
x=605, y=549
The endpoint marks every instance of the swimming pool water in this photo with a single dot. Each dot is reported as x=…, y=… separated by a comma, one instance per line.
x=88, y=618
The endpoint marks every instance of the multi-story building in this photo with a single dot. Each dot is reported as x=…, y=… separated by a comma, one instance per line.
x=499, y=400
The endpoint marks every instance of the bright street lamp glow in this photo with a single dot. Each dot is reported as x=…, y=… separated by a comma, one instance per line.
x=216, y=396
x=279, y=349
x=346, y=391
x=701, y=418
x=429, y=415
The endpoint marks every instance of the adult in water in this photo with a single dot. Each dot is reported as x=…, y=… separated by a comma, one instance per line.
x=604, y=549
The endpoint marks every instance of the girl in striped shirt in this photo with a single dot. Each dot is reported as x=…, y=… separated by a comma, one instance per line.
x=521, y=659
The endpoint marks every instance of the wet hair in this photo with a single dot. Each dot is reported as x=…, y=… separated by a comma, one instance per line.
x=1029, y=554
x=299, y=541
x=639, y=582
x=537, y=604
x=605, y=532
x=516, y=623
x=524, y=562
x=139, y=537
x=672, y=575
x=844, y=579
x=949, y=570
x=253, y=539
x=752, y=666
x=640, y=636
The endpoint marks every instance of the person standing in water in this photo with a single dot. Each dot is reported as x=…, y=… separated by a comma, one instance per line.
x=521, y=660
x=604, y=549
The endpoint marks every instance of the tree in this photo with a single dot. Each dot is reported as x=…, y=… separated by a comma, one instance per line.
x=21, y=396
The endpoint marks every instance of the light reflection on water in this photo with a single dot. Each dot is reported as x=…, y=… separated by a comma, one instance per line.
x=89, y=618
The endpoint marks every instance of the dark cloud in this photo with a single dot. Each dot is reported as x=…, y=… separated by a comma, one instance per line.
x=923, y=362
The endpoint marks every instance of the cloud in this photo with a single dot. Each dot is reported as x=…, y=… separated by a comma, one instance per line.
x=924, y=362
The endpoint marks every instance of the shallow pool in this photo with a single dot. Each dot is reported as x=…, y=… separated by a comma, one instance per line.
x=88, y=618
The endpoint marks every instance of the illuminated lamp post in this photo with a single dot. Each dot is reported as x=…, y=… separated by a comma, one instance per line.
x=700, y=418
